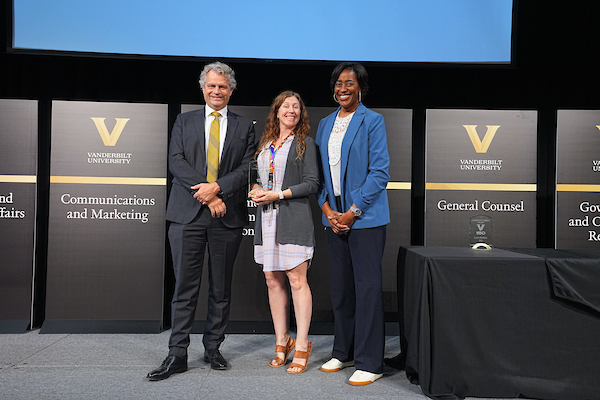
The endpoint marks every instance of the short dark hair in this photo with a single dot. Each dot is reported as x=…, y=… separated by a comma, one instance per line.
x=361, y=75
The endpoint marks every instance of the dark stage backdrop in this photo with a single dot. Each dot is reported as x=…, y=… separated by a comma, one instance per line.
x=250, y=301
x=18, y=164
x=555, y=67
x=481, y=164
x=107, y=217
x=578, y=179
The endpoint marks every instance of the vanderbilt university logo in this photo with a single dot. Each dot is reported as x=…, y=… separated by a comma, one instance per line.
x=481, y=146
x=598, y=126
x=110, y=139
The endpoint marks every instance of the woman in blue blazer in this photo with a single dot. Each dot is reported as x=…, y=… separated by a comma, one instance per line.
x=352, y=145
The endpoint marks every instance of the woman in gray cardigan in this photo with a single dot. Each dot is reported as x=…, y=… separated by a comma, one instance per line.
x=284, y=237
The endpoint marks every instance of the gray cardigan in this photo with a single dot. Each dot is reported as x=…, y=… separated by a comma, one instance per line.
x=294, y=220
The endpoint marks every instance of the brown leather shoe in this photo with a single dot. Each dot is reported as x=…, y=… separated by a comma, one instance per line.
x=286, y=350
x=300, y=354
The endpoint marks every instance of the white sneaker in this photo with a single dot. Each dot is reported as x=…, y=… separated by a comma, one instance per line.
x=361, y=378
x=335, y=365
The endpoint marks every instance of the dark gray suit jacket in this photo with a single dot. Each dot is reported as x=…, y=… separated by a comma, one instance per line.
x=295, y=221
x=187, y=163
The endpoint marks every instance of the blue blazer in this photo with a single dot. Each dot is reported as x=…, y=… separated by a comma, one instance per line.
x=364, y=167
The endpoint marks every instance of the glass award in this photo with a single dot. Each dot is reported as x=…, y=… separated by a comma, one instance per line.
x=253, y=177
x=480, y=232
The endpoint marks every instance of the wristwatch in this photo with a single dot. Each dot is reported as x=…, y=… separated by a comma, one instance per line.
x=357, y=213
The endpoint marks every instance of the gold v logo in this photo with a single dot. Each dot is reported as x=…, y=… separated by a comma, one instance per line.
x=110, y=139
x=598, y=126
x=481, y=146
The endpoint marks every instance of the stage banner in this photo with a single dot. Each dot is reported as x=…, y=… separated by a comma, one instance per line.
x=578, y=179
x=249, y=292
x=106, y=244
x=18, y=169
x=481, y=178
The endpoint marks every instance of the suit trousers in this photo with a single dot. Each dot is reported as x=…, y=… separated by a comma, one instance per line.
x=357, y=296
x=188, y=244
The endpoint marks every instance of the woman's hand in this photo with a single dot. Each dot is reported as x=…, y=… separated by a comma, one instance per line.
x=256, y=191
x=336, y=220
x=263, y=197
x=346, y=219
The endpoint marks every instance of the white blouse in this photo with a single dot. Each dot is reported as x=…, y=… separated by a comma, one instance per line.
x=334, y=149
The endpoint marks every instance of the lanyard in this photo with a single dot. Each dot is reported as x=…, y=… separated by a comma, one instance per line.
x=273, y=152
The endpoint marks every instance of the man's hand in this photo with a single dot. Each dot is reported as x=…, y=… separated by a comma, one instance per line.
x=206, y=192
x=217, y=207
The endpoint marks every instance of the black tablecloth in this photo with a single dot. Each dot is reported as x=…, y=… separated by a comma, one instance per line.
x=486, y=323
x=574, y=274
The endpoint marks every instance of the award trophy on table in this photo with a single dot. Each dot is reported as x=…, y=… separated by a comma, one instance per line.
x=480, y=232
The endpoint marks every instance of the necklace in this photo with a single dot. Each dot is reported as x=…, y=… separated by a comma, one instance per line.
x=337, y=137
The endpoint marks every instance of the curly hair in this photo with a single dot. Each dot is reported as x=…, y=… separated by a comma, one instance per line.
x=272, y=127
x=220, y=68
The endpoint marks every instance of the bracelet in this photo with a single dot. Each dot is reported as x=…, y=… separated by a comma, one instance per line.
x=281, y=195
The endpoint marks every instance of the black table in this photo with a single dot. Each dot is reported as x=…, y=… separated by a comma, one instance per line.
x=486, y=323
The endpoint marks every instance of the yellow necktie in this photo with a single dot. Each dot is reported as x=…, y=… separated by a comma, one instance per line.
x=212, y=157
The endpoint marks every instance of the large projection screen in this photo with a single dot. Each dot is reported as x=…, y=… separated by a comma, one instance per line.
x=459, y=31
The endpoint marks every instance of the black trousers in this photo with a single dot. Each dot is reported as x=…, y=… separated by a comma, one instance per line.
x=188, y=244
x=357, y=296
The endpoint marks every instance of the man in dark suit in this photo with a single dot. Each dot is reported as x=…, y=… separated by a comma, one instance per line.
x=209, y=153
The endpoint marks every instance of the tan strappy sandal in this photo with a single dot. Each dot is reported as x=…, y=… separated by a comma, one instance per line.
x=300, y=354
x=286, y=350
